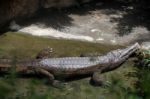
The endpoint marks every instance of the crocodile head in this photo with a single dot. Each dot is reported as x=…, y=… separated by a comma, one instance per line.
x=120, y=55
x=117, y=57
x=125, y=53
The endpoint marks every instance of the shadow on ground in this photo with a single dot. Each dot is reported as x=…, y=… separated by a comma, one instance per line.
x=133, y=18
x=59, y=19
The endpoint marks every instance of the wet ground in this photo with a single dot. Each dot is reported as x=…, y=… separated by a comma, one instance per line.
x=112, y=23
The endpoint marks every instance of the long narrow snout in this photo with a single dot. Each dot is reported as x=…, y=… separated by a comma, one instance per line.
x=125, y=53
x=117, y=57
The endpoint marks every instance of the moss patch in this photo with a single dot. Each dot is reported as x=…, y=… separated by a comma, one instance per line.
x=26, y=46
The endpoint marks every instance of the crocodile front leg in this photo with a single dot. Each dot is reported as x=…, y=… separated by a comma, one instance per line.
x=50, y=76
x=96, y=80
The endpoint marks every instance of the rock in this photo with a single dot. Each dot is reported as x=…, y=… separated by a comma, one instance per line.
x=62, y=3
x=85, y=1
x=99, y=4
x=12, y=9
x=14, y=26
x=95, y=30
x=113, y=41
x=100, y=39
x=130, y=7
x=58, y=3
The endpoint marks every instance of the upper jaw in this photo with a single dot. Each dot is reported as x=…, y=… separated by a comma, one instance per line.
x=130, y=50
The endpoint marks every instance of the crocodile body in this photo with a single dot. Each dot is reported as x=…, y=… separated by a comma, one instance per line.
x=73, y=66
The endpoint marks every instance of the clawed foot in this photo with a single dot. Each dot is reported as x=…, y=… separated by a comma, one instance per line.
x=96, y=82
x=99, y=83
x=106, y=84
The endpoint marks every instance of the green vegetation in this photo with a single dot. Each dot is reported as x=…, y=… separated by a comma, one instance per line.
x=143, y=74
x=23, y=46
x=143, y=84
